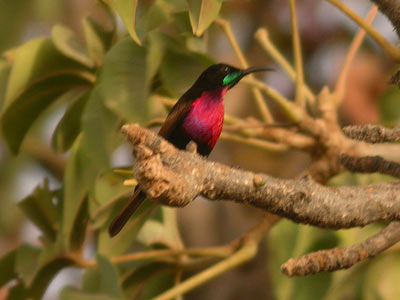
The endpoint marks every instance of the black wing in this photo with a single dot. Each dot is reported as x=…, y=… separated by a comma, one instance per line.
x=178, y=113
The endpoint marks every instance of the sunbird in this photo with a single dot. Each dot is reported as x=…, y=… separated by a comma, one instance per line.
x=197, y=116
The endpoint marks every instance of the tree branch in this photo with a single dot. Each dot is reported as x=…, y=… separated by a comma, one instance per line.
x=343, y=258
x=176, y=178
x=372, y=133
x=371, y=164
x=390, y=8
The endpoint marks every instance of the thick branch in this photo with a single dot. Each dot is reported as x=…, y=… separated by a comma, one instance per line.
x=176, y=178
x=371, y=164
x=390, y=8
x=343, y=258
x=372, y=133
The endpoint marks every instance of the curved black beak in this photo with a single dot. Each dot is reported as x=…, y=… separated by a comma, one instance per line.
x=255, y=69
x=247, y=72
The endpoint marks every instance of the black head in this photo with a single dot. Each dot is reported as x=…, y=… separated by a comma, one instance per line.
x=223, y=75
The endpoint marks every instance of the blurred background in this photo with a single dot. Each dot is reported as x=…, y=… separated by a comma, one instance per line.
x=326, y=34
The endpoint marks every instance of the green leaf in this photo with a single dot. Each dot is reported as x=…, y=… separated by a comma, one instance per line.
x=289, y=240
x=99, y=121
x=390, y=107
x=148, y=281
x=382, y=278
x=41, y=211
x=5, y=68
x=155, y=54
x=101, y=283
x=98, y=39
x=7, y=263
x=46, y=274
x=68, y=44
x=120, y=244
x=38, y=58
x=37, y=267
x=152, y=16
x=27, y=263
x=17, y=292
x=109, y=277
x=127, y=12
x=69, y=126
x=79, y=176
x=202, y=13
x=24, y=110
x=179, y=70
x=70, y=293
x=108, y=189
x=122, y=82
x=163, y=233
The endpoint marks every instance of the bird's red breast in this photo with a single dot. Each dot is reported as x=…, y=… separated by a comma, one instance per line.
x=205, y=118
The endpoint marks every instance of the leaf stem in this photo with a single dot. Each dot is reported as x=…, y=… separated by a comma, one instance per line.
x=262, y=37
x=292, y=111
x=340, y=88
x=254, y=142
x=262, y=106
x=244, y=254
x=297, y=55
x=391, y=50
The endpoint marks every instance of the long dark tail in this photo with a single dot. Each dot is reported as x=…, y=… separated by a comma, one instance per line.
x=126, y=212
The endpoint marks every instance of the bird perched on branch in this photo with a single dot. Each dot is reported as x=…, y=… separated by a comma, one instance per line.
x=197, y=116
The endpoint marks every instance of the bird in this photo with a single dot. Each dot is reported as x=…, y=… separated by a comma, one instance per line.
x=197, y=116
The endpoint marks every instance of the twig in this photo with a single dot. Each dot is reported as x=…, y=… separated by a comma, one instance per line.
x=391, y=9
x=371, y=164
x=46, y=157
x=297, y=55
x=262, y=106
x=291, y=110
x=351, y=54
x=343, y=258
x=372, y=133
x=390, y=50
x=247, y=251
x=254, y=142
x=262, y=37
x=176, y=178
x=243, y=255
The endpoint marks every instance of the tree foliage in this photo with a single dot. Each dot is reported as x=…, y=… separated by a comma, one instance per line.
x=106, y=80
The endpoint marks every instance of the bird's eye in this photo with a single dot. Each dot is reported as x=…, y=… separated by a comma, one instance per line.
x=226, y=70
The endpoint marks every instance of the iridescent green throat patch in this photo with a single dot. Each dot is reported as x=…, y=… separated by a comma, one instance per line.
x=230, y=78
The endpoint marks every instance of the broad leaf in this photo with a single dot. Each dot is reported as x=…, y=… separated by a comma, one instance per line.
x=163, y=233
x=179, y=70
x=127, y=12
x=123, y=241
x=69, y=126
x=79, y=176
x=7, y=263
x=24, y=110
x=70, y=293
x=288, y=240
x=122, y=82
x=68, y=44
x=41, y=211
x=17, y=292
x=109, y=277
x=99, y=121
x=148, y=281
x=100, y=283
x=202, y=13
x=98, y=39
x=37, y=59
x=5, y=68
x=27, y=261
x=108, y=189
